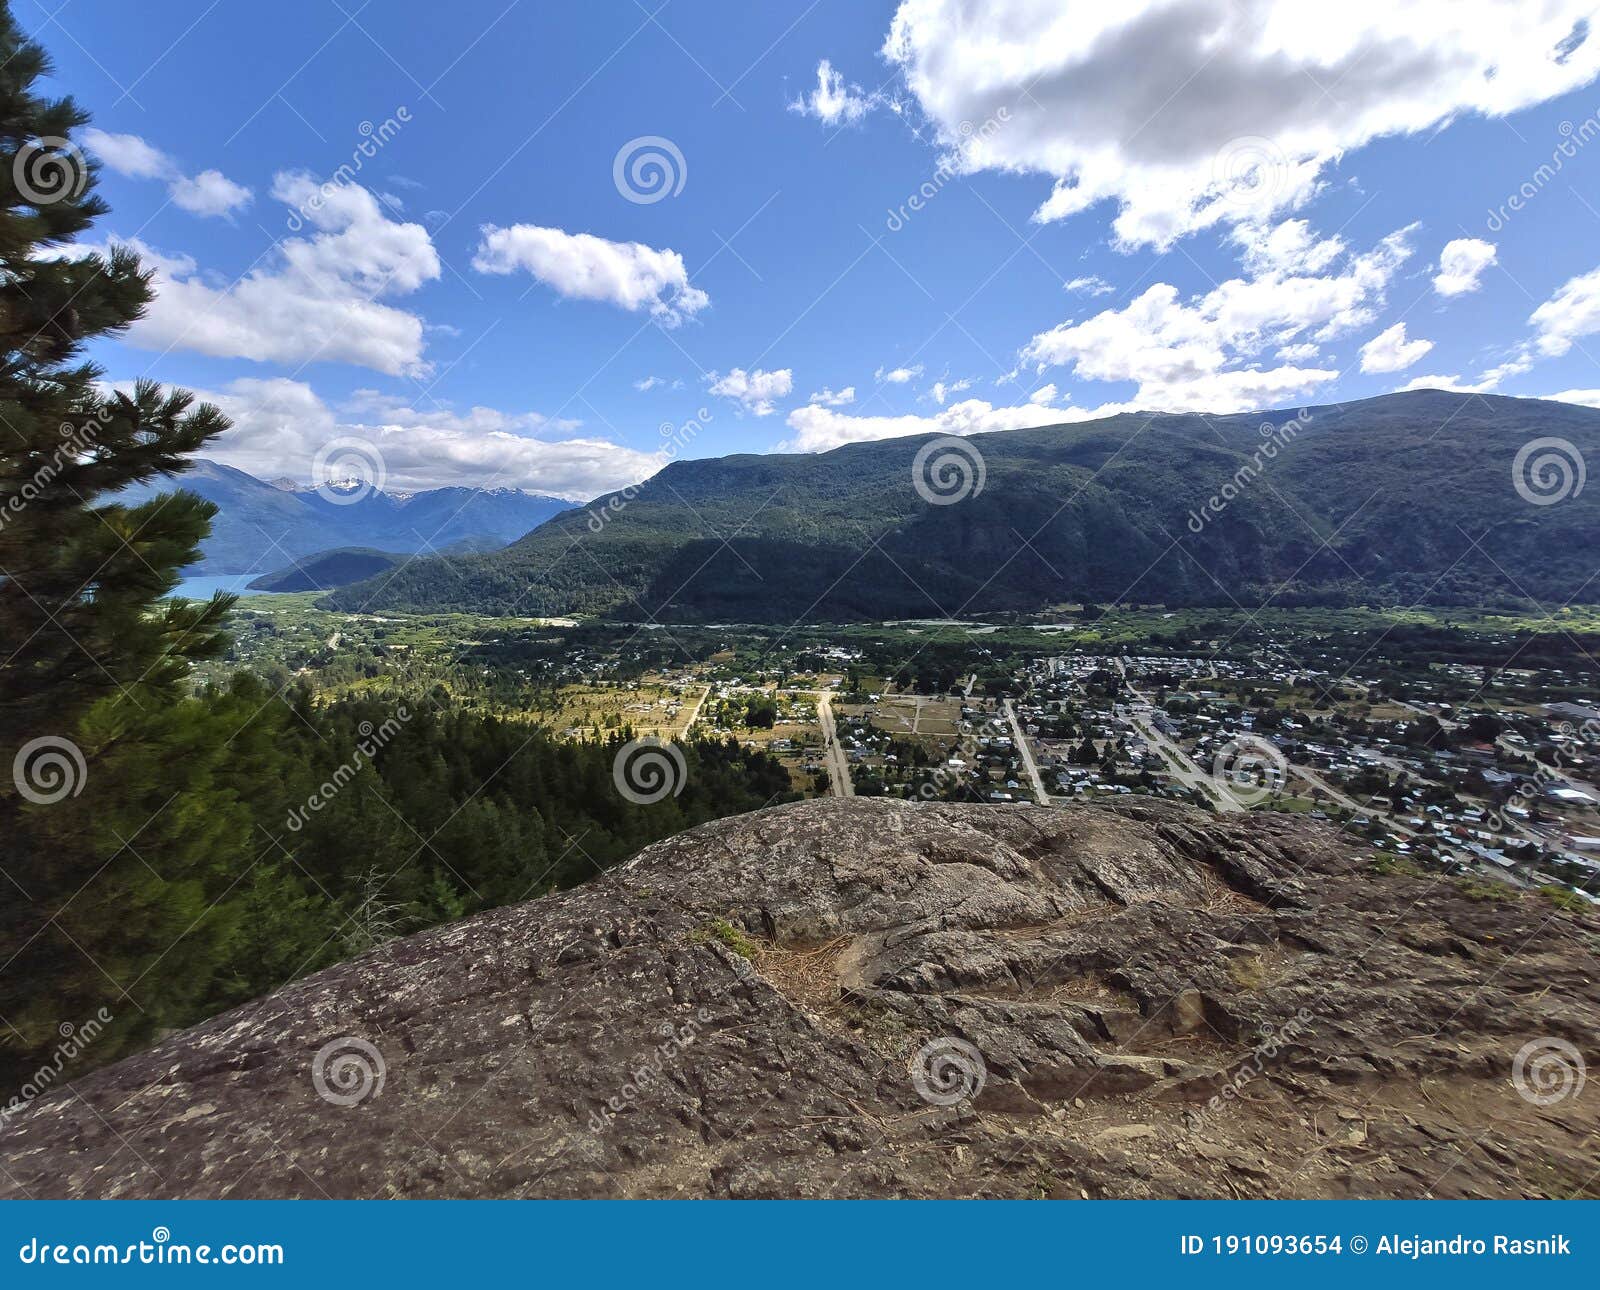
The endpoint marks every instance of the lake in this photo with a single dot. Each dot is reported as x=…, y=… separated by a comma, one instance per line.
x=202, y=588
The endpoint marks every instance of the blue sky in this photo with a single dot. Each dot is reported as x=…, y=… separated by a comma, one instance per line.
x=968, y=216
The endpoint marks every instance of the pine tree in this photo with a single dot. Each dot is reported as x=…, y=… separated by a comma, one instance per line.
x=91, y=656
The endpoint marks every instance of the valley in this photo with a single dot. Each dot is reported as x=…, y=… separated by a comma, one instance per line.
x=1465, y=743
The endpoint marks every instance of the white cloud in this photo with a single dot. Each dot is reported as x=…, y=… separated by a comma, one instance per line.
x=1289, y=247
x=831, y=398
x=1571, y=313
x=898, y=375
x=1454, y=384
x=1300, y=352
x=581, y=266
x=645, y=384
x=1200, y=354
x=1190, y=112
x=1461, y=264
x=279, y=425
x=1043, y=396
x=317, y=303
x=941, y=391
x=1588, y=398
x=209, y=193
x=1390, y=351
x=819, y=429
x=755, y=389
x=833, y=102
x=1092, y=285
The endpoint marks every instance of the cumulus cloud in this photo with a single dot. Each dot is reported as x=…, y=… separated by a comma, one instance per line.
x=1571, y=313
x=1454, y=384
x=209, y=193
x=1461, y=264
x=316, y=301
x=1187, y=113
x=1202, y=353
x=580, y=266
x=1092, y=285
x=818, y=429
x=1588, y=398
x=833, y=102
x=754, y=390
x=897, y=375
x=831, y=398
x=941, y=391
x=1390, y=351
x=280, y=424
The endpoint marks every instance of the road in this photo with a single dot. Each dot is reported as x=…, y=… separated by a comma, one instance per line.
x=1178, y=764
x=1021, y=740
x=694, y=715
x=838, y=769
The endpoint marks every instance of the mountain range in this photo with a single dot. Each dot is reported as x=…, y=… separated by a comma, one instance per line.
x=1424, y=496
x=262, y=527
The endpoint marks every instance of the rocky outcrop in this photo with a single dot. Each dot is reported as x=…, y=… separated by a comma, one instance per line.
x=862, y=998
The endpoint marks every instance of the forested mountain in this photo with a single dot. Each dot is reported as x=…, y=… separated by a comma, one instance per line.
x=1406, y=497
x=261, y=527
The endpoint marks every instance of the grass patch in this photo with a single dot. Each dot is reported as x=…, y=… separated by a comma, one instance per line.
x=720, y=929
x=1472, y=889
x=1564, y=898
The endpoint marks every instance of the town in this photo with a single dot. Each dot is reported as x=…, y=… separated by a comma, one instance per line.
x=1465, y=748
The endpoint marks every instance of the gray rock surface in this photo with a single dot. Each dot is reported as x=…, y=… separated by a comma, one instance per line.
x=864, y=998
